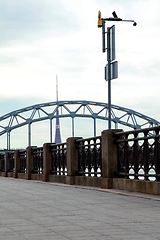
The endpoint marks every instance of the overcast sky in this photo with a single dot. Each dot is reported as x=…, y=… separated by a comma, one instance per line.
x=42, y=38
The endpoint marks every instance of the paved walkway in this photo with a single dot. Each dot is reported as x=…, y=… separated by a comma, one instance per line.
x=35, y=210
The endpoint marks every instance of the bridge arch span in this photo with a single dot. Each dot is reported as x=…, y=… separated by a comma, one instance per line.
x=72, y=109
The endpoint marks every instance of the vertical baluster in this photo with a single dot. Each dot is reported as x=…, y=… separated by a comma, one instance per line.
x=63, y=166
x=135, y=155
x=41, y=160
x=61, y=163
x=65, y=159
x=84, y=156
x=62, y=159
x=59, y=159
x=100, y=157
x=81, y=157
x=121, y=155
x=24, y=163
x=157, y=155
x=55, y=159
x=119, y=148
x=3, y=163
x=65, y=162
x=8, y=162
x=146, y=156
x=34, y=160
x=94, y=158
x=89, y=158
x=54, y=168
x=126, y=157
x=38, y=160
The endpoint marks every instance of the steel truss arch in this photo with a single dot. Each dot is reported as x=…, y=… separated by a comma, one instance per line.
x=72, y=109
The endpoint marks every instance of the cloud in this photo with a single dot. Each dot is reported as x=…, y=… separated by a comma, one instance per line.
x=28, y=20
x=42, y=38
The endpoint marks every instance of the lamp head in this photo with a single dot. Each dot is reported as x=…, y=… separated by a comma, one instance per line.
x=134, y=24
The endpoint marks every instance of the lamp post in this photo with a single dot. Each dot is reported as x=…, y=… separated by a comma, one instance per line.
x=111, y=69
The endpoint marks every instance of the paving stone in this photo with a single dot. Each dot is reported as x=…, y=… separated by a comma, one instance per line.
x=36, y=210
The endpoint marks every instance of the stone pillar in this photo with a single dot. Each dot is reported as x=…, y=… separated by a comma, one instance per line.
x=6, y=164
x=29, y=162
x=16, y=163
x=72, y=159
x=47, y=161
x=109, y=157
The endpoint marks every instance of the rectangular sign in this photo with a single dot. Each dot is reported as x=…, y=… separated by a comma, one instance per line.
x=112, y=43
x=111, y=55
x=106, y=72
x=113, y=71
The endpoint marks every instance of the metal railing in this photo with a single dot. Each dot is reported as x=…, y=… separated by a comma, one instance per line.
x=10, y=161
x=37, y=160
x=23, y=159
x=138, y=154
x=59, y=158
x=89, y=157
x=2, y=161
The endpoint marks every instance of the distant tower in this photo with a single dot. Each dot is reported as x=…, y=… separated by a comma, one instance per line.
x=57, y=134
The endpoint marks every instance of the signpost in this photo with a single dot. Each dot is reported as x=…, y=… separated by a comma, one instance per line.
x=111, y=69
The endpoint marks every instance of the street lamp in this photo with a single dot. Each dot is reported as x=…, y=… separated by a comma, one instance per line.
x=114, y=18
x=111, y=68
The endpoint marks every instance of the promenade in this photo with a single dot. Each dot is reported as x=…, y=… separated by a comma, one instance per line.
x=37, y=210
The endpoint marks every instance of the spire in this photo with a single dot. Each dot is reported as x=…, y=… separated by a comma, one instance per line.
x=57, y=88
x=57, y=134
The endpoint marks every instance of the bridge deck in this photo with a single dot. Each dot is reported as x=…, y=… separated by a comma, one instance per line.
x=36, y=210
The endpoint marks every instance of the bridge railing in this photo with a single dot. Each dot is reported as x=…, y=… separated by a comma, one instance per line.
x=59, y=159
x=23, y=158
x=89, y=157
x=2, y=162
x=11, y=161
x=116, y=159
x=76, y=158
x=37, y=153
x=138, y=154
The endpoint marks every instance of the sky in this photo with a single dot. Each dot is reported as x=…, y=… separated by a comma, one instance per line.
x=43, y=38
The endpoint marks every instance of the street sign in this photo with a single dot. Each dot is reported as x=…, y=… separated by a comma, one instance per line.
x=113, y=69
x=112, y=42
x=111, y=55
